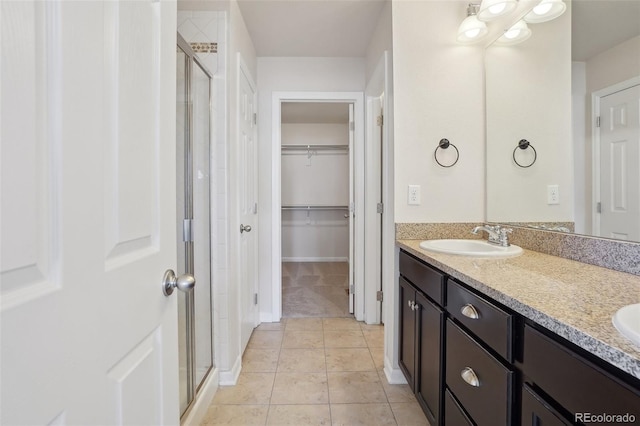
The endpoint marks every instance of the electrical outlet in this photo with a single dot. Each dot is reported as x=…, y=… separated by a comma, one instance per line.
x=553, y=194
x=414, y=195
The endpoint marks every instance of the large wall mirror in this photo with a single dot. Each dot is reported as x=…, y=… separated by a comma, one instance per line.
x=572, y=176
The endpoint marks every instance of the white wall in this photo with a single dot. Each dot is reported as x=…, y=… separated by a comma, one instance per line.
x=438, y=93
x=617, y=64
x=581, y=150
x=381, y=40
x=528, y=89
x=290, y=74
x=322, y=179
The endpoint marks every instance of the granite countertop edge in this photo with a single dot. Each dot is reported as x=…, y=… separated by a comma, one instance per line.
x=613, y=349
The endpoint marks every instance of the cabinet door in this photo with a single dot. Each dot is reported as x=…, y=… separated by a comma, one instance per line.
x=536, y=412
x=429, y=380
x=407, y=354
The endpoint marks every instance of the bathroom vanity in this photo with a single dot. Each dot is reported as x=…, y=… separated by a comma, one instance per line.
x=525, y=340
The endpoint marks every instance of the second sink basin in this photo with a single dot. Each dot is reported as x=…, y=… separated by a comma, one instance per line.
x=627, y=322
x=475, y=248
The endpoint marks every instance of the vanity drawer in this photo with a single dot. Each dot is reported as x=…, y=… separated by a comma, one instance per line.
x=426, y=279
x=490, y=323
x=488, y=401
x=574, y=382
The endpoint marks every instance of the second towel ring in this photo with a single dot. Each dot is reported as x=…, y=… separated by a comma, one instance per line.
x=444, y=144
x=524, y=144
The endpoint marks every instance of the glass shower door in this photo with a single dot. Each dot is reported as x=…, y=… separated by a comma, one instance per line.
x=195, y=323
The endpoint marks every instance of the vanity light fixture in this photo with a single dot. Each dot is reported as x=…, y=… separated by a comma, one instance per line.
x=545, y=11
x=492, y=9
x=514, y=35
x=472, y=30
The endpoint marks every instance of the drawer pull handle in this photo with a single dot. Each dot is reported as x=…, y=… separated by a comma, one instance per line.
x=470, y=311
x=469, y=376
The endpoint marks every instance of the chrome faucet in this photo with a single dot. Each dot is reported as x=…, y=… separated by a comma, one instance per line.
x=497, y=234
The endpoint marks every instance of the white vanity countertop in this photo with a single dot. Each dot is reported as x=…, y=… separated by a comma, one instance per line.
x=574, y=300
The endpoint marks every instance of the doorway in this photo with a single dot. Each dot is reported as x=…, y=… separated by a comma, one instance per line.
x=353, y=208
x=193, y=132
x=317, y=227
x=617, y=162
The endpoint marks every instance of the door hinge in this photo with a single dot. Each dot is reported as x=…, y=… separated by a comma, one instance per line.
x=255, y=298
x=255, y=118
x=379, y=295
x=351, y=289
x=379, y=120
x=352, y=125
x=255, y=208
x=380, y=208
x=187, y=233
x=598, y=121
x=599, y=207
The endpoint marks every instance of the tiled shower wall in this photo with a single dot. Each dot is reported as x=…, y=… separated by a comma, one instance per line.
x=206, y=32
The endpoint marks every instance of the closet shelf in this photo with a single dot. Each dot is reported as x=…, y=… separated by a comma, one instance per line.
x=315, y=208
x=315, y=147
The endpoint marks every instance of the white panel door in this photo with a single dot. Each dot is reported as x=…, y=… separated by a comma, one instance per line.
x=352, y=228
x=88, y=213
x=620, y=165
x=248, y=174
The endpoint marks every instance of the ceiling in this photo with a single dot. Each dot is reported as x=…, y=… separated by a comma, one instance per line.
x=320, y=28
x=598, y=25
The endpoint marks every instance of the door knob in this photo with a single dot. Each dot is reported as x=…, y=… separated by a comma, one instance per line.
x=245, y=228
x=184, y=282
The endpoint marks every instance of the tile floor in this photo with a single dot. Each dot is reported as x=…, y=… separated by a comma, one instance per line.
x=315, y=289
x=314, y=371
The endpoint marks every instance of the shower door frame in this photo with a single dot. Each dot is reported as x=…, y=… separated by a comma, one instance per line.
x=192, y=386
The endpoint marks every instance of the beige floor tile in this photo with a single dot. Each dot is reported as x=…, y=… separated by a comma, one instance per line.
x=246, y=415
x=378, y=357
x=302, y=360
x=362, y=414
x=300, y=388
x=298, y=324
x=409, y=414
x=344, y=339
x=252, y=388
x=299, y=415
x=271, y=326
x=374, y=338
x=349, y=359
x=303, y=339
x=265, y=339
x=355, y=387
x=340, y=324
x=396, y=393
x=260, y=360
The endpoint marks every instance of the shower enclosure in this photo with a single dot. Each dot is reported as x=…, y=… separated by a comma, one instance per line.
x=193, y=130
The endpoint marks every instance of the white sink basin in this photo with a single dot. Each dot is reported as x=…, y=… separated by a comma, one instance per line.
x=475, y=248
x=627, y=321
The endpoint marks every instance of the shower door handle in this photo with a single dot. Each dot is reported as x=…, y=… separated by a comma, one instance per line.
x=245, y=228
x=170, y=282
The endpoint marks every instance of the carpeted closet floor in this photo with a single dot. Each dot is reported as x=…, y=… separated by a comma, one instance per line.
x=315, y=289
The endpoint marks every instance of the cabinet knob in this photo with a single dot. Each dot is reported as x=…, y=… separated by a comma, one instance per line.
x=469, y=376
x=470, y=311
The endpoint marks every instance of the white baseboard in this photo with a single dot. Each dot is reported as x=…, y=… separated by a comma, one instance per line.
x=315, y=259
x=198, y=409
x=230, y=378
x=394, y=375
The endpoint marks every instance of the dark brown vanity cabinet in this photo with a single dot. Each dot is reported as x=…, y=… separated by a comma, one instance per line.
x=472, y=361
x=421, y=333
x=573, y=384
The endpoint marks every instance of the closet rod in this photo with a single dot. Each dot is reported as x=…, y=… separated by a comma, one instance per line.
x=315, y=208
x=314, y=147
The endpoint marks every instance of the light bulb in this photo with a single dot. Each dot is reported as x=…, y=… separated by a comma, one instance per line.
x=497, y=8
x=542, y=8
x=473, y=33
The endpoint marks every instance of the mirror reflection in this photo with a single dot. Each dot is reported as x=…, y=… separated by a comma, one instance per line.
x=549, y=91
